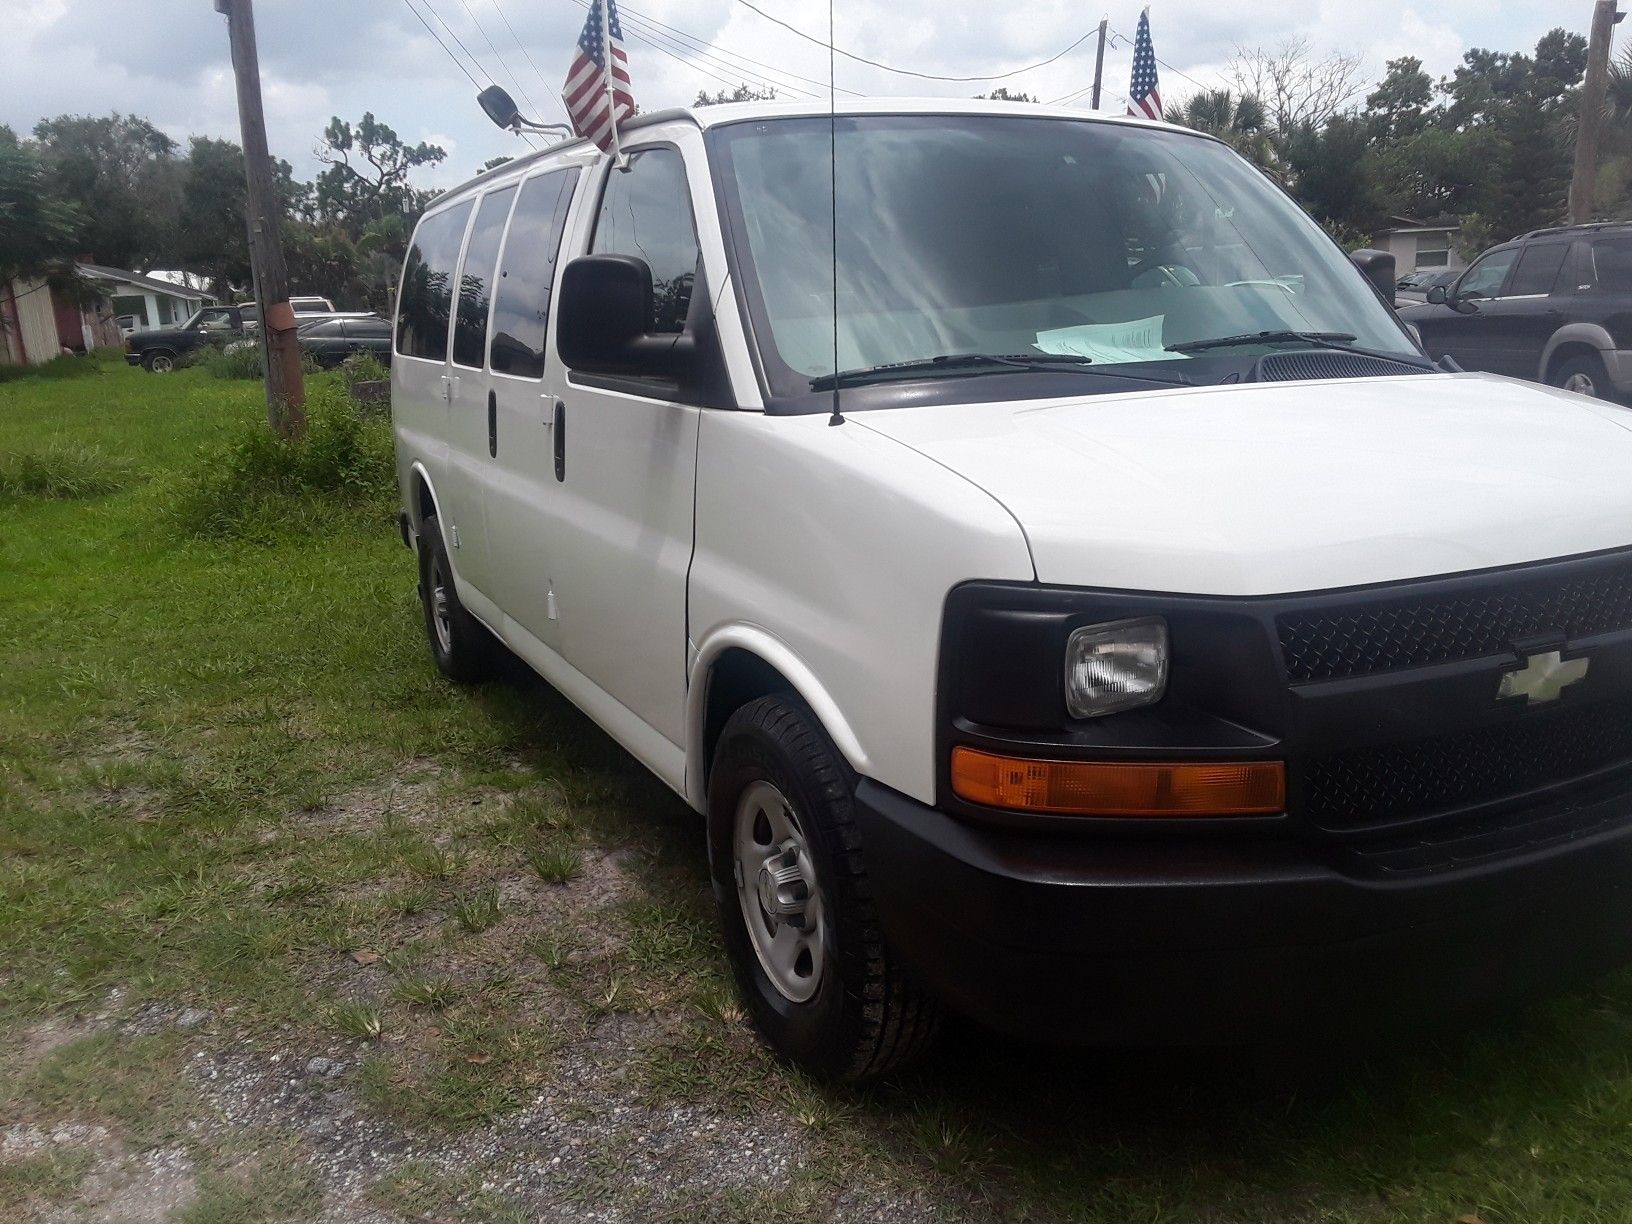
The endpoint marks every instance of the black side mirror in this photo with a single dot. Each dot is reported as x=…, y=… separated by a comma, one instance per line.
x=604, y=322
x=499, y=106
x=1438, y=295
x=1378, y=268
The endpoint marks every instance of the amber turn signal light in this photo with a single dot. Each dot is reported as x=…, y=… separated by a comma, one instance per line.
x=1120, y=788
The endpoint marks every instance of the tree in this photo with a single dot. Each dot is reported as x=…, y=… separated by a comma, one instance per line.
x=38, y=233
x=367, y=175
x=1239, y=122
x=1003, y=94
x=1400, y=107
x=1333, y=174
x=742, y=93
x=1297, y=88
x=123, y=175
x=494, y=163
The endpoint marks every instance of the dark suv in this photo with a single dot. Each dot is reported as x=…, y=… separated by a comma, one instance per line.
x=1554, y=306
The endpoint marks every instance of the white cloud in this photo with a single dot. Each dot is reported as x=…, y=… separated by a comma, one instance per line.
x=171, y=66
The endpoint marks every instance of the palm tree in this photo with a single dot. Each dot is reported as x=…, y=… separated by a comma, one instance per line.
x=1240, y=122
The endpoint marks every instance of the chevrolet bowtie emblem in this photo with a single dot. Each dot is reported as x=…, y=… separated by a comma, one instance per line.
x=1544, y=677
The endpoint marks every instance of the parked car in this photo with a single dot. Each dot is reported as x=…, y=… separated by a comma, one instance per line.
x=304, y=307
x=1554, y=306
x=159, y=351
x=1422, y=284
x=330, y=341
x=1112, y=628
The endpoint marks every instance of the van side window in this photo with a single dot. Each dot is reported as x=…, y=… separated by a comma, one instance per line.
x=527, y=273
x=426, y=298
x=476, y=278
x=1538, y=269
x=646, y=212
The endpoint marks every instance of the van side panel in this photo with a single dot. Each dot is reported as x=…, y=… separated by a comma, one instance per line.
x=842, y=544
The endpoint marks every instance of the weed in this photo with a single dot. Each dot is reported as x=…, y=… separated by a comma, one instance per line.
x=61, y=472
x=432, y=862
x=435, y=993
x=62, y=366
x=556, y=863
x=361, y=1020
x=477, y=910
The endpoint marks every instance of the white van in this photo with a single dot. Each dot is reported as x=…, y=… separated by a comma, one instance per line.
x=1097, y=617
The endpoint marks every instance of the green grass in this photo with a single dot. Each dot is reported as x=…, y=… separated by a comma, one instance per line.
x=227, y=766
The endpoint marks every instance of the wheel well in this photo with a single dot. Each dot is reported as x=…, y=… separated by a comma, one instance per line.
x=737, y=677
x=1571, y=348
x=424, y=505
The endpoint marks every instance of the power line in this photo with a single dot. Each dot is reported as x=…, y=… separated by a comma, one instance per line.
x=715, y=49
x=431, y=8
x=456, y=62
x=685, y=50
x=744, y=75
x=514, y=80
x=638, y=30
x=927, y=76
x=1117, y=34
x=522, y=47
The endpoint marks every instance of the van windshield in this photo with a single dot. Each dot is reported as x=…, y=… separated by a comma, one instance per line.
x=1055, y=242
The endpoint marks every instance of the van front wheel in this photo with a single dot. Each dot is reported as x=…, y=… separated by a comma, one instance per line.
x=795, y=902
x=460, y=644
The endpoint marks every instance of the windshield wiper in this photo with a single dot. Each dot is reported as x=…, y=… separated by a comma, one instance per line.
x=993, y=363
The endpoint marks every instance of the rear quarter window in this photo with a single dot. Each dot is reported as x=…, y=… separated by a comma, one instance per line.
x=426, y=299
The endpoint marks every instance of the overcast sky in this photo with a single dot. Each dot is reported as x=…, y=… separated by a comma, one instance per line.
x=167, y=59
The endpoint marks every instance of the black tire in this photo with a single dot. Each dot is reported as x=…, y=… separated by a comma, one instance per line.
x=865, y=1016
x=461, y=647
x=1585, y=375
x=159, y=361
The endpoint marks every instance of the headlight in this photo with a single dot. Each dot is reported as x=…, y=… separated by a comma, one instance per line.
x=1115, y=666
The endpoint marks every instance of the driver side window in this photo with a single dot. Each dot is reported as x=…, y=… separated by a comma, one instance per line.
x=1484, y=279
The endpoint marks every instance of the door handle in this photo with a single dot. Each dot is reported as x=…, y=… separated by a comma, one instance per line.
x=492, y=425
x=559, y=436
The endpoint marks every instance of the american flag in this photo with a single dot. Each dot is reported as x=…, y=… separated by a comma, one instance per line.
x=1144, y=96
x=596, y=103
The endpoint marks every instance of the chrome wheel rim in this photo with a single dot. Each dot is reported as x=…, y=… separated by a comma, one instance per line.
x=162, y=364
x=441, y=609
x=1581, y=384
x=777, y=890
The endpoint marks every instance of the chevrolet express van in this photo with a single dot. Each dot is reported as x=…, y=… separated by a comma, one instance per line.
x=1072, y=599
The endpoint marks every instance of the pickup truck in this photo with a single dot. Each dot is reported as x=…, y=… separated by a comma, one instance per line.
x=160, y=351
x=1065, y=590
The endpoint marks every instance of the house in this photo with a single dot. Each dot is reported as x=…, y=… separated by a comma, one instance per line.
x=38, y=320
x=1421, y=246
x=144, y=302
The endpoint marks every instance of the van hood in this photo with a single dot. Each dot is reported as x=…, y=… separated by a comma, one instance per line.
x=1261, y=489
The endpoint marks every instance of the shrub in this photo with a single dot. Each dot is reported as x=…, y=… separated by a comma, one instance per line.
x=62, y=366
x=261, y=484
x=241, y=360
x=61, y=472
x=363, y=367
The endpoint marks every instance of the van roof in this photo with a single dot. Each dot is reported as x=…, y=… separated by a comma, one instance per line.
x=705, y=117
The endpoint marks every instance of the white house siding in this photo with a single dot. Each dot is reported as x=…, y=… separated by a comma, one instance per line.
x=25, y=305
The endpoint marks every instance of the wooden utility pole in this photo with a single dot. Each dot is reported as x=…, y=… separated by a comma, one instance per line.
x=1099, y=60
x=285, y=389
x=1584, y=182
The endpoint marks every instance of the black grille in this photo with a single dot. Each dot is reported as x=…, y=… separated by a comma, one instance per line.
x=1289, y=367
x=1358, y=639
x=1373, y=786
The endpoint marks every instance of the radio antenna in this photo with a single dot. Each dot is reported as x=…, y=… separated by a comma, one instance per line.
x=833, y=184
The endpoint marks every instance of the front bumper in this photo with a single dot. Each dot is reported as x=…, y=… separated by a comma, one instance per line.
x=134, y=359
x=1199, y=940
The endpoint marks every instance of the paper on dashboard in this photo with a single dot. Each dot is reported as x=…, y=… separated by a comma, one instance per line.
x=1135, y=340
